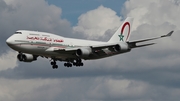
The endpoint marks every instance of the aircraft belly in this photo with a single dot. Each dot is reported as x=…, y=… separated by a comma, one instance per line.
x=61, y=56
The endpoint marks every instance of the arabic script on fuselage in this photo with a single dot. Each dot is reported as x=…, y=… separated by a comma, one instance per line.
x=45, y=39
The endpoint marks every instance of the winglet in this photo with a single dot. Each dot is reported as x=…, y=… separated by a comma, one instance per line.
x=169, y=34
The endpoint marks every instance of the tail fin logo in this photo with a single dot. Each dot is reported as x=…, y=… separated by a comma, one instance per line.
x=121, y=36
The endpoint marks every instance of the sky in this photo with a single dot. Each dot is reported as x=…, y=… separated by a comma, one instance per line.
x=144, y=74
x=73, y=9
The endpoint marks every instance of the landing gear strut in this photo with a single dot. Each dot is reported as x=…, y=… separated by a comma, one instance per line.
x=54, y=65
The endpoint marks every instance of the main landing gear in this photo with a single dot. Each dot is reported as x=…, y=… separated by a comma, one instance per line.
x=54, y=65
x=77, y=63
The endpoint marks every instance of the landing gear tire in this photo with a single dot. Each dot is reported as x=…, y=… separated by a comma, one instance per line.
x=55, y=66
x=81, y=64
x=67, y=64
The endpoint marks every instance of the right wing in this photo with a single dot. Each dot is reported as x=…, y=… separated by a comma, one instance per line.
x=133, y=43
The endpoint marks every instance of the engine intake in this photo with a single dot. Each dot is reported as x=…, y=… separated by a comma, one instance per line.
x=83, y=52
x=117, y=48
x=26, y=57
x=121, y=47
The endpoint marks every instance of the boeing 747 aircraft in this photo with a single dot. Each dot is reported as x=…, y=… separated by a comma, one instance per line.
x=32, y=44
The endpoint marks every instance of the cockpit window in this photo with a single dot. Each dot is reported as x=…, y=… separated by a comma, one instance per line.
x=18, y=32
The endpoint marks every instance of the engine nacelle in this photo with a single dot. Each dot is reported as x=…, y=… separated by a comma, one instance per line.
x=83, y=52
x=121, y=47
x=26, y=57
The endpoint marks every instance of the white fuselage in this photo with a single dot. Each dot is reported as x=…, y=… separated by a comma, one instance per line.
x=36, y=43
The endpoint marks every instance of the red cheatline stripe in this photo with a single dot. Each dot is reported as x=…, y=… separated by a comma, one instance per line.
x=41, y=45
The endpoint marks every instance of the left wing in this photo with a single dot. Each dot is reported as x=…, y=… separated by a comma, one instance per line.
x=133, y=43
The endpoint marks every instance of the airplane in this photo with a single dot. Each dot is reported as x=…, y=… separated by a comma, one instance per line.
x=32, y=44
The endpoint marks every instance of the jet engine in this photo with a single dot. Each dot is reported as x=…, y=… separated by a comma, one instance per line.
x=121, y=47
x=83, y=52
x=26, y=57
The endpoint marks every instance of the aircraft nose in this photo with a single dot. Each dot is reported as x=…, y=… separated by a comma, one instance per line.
x=9, y=41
